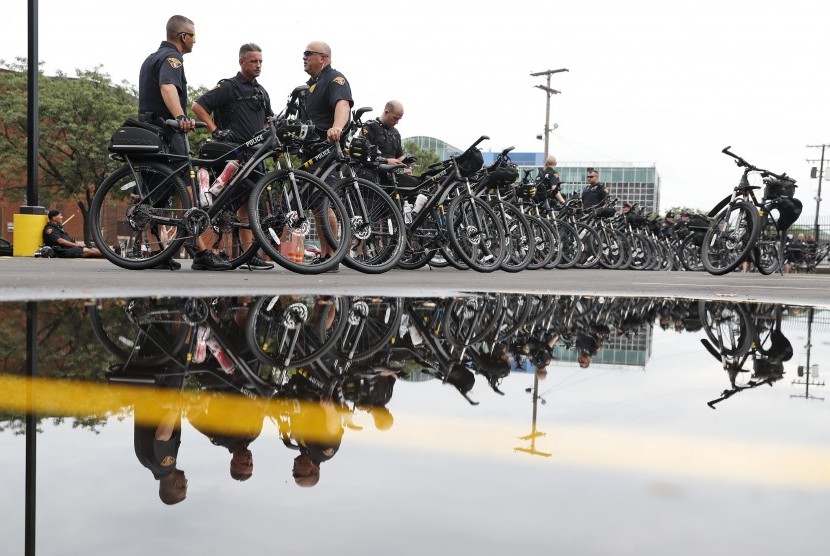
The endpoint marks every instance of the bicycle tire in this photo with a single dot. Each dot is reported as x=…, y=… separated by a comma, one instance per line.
x=148, y=344
x=766, y=254
x=570, y=246
x=642, y=253
x=613, y=253
x=377, y=226
x=543, y=240
x=519, y=238
x=381, y=320
x=690, y=253
x=152, y=202
x=475, y=233
x=423, y=242
x=730, y=237
x=281, y=331
x=733, y=320
x=591, y=246
x=272, y=209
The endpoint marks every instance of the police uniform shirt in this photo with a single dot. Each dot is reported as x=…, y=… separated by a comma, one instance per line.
x=163, y=67
x=324, y=91
x=52, y=233
x=551, y=180
x=386, y=139
x=593, y=195
x=245, y=104
x=159, y=456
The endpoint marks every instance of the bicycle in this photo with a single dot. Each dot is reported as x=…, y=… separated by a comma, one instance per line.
x=151, y=193
x=377, y=225
x=744, y=228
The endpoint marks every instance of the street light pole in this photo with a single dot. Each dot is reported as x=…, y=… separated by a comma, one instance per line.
x=548, y=92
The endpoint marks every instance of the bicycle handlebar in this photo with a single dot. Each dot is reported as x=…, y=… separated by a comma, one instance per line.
x=175, y=123
x=750, y=168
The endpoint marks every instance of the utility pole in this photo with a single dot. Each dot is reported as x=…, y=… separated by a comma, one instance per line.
x=534, y=432
x=549, y=92
x=820, y=176
x=807, y=368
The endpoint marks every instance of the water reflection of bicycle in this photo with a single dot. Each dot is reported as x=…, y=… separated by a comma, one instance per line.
x=739, y=333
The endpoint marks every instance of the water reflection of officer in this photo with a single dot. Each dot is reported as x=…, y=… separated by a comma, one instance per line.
x=248, y=426
x=316, y=429
x=157, y=437
x=589, y=342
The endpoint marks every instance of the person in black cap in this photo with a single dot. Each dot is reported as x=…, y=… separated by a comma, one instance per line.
x=61, y=242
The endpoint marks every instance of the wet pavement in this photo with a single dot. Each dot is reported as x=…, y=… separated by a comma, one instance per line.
x=376, y=424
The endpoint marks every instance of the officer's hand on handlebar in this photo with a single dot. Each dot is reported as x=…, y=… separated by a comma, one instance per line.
x=333, y=134
x=221, y=135
x=186, y=124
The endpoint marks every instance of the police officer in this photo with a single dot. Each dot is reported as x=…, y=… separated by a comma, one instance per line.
x=237, y=107
x=162, y=95
x=381, y=133
x=235, y=110
x=595, y=192
x=329, y=101
x=328, y=105
x=549, y=182
x=162, y=85
x=61, y=242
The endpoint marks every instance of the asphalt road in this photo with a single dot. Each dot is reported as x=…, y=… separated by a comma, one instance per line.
x=36, y=279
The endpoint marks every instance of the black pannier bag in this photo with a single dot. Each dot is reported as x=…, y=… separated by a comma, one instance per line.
x=779, y=188
x=216, y=149
x=470, y=162
x=698, y=223
x=134, y=137
x=500, y=176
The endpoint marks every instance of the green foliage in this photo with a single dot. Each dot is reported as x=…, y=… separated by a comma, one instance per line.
x=77, y=116
x=425, y=156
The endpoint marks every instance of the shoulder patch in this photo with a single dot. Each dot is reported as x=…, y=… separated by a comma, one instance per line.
x=339, y=80
x=175, y=63
x=49, y=230
x=168, y=461
x=218, y=85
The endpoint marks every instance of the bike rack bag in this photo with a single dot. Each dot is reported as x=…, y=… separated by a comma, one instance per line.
x=138, y=137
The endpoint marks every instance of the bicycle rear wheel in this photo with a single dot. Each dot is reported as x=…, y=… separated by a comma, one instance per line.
x=766, y=251
x=137, y=215
x=288, y=204
x=729, y=238
x=519, y=236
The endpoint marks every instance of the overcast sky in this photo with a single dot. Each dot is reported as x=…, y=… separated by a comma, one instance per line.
x=669, y=83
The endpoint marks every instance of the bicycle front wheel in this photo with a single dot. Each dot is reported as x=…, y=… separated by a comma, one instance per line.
x=729, y=238
x=286, y=209
x=137, y=215
x=378, y=231
x=475, y=233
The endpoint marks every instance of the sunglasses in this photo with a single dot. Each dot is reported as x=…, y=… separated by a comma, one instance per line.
x=309, y=53
x=193, y=35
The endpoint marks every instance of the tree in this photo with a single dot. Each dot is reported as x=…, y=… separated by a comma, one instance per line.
x=425, y=156
x=77, y=116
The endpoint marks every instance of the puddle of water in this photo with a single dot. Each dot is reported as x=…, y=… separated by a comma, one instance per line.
x=487, y=422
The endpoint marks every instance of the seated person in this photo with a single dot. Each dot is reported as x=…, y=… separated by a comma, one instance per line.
x=64, y=244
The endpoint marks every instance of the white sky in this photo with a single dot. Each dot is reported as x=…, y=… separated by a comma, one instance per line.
x=670, y=83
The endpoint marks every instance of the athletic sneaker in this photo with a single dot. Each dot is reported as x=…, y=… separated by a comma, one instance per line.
x=318, y=260
x=255, y=263
x=205, y=260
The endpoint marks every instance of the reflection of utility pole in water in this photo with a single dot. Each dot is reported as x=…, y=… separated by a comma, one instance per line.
x=534, y=434
x=805, y=371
